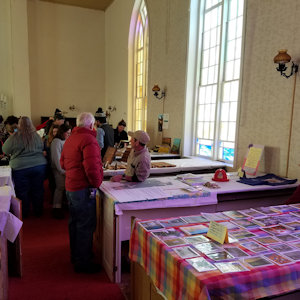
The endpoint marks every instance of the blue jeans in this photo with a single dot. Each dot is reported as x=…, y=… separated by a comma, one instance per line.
x=82, y=225
x=29, y=188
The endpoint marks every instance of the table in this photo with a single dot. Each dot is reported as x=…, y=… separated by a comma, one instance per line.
x=5, y=177
x=114, y=215
x=177, y=279
x=182, y=165
x=10, y=226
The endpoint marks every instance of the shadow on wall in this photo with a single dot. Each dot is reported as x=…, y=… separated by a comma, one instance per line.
x=271, y=160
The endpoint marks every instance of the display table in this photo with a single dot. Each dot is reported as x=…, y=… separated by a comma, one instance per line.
x=10, y=226
x=176, y=278
x=5, y=177
x=182, y=165
x=116, y=208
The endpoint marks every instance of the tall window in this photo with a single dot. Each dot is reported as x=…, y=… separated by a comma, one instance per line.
x=221, y=26
x=141, y=69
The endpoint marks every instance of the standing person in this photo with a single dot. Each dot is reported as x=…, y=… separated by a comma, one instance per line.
x=139, y=160
x=81, y=160
x=119, y=133
x=28, y=165
x=101, y=122
x=47, y=144
x=57, y=144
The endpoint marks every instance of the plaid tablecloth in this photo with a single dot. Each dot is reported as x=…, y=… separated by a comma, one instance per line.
x=177, y=279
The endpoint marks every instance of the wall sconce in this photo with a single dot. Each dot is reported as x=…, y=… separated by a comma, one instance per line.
x=156, y=92
x=72, y=107
x=281, y=59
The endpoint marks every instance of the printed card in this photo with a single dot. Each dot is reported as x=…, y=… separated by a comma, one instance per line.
x=294, y=255
x=206, y=248
x=259, y=232
x=254, y=247
x=234, y=214
x=251, y=213
x=185, y=252
x=230, y=266
x=284, y=208
x=266, y=210
x=194, y=219
x=266, y=240
x=295, y=225
x=222, y=255
x=266, y=221
x=196, y=229
x=246, y=224
x=281, y=247
x=278, y=259
x=165, y=234
x=151, y=225
x=201, y=264
x=236, y=252
x=229, y=225
x=286, y=237
x=257, y=261
x=285, y=218
x=173, y=222
x=196, y=239
x=241, y=234
x=175, y=242
x=278, y=229
x=215, y=216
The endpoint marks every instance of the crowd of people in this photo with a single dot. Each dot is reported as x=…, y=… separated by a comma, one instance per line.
x=71, y=161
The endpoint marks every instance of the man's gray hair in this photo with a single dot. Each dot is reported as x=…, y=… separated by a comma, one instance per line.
x=85, y=119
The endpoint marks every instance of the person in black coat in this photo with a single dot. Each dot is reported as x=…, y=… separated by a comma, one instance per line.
x=120, y=134
x=101, y=122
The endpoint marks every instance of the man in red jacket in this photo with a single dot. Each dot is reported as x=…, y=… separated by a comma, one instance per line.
x=81, y=159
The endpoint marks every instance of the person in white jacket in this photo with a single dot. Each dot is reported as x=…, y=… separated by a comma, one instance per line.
x=57, y=144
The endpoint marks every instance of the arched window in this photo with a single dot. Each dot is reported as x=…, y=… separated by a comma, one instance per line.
x=140, y=69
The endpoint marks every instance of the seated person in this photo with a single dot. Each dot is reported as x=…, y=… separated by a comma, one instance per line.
x=139, y=160
x=120, y=134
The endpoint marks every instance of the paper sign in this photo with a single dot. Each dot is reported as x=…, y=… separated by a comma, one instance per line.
x=218, y=232
x=165, y=121
x=253, y=157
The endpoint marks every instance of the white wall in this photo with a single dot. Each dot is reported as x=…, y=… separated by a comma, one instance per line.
x=267, y=96
x=117, y=21
x=67, y=58
x=14, y=66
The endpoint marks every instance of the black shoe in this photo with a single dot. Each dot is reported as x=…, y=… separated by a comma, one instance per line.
x=89, y=269
x=57, y=213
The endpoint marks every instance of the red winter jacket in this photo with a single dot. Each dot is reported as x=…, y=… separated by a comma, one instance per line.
x=81, y=159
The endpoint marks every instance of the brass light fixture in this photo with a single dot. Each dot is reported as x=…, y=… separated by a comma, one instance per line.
x=157, y=93
x=282, y=58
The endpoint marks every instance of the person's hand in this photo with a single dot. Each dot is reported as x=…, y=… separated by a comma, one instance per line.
x=116, y=178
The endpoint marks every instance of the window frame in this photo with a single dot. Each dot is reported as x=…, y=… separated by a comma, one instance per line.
x=221, y=81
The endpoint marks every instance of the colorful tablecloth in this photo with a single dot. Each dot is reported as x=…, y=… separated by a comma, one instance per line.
x=177, y=279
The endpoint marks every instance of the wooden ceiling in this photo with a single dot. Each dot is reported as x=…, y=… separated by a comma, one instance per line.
x=92, y=4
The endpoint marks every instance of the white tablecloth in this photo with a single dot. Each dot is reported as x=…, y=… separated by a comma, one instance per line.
x=189, y=164
x=5, y=178
x=10, y=225
x=166, y=192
